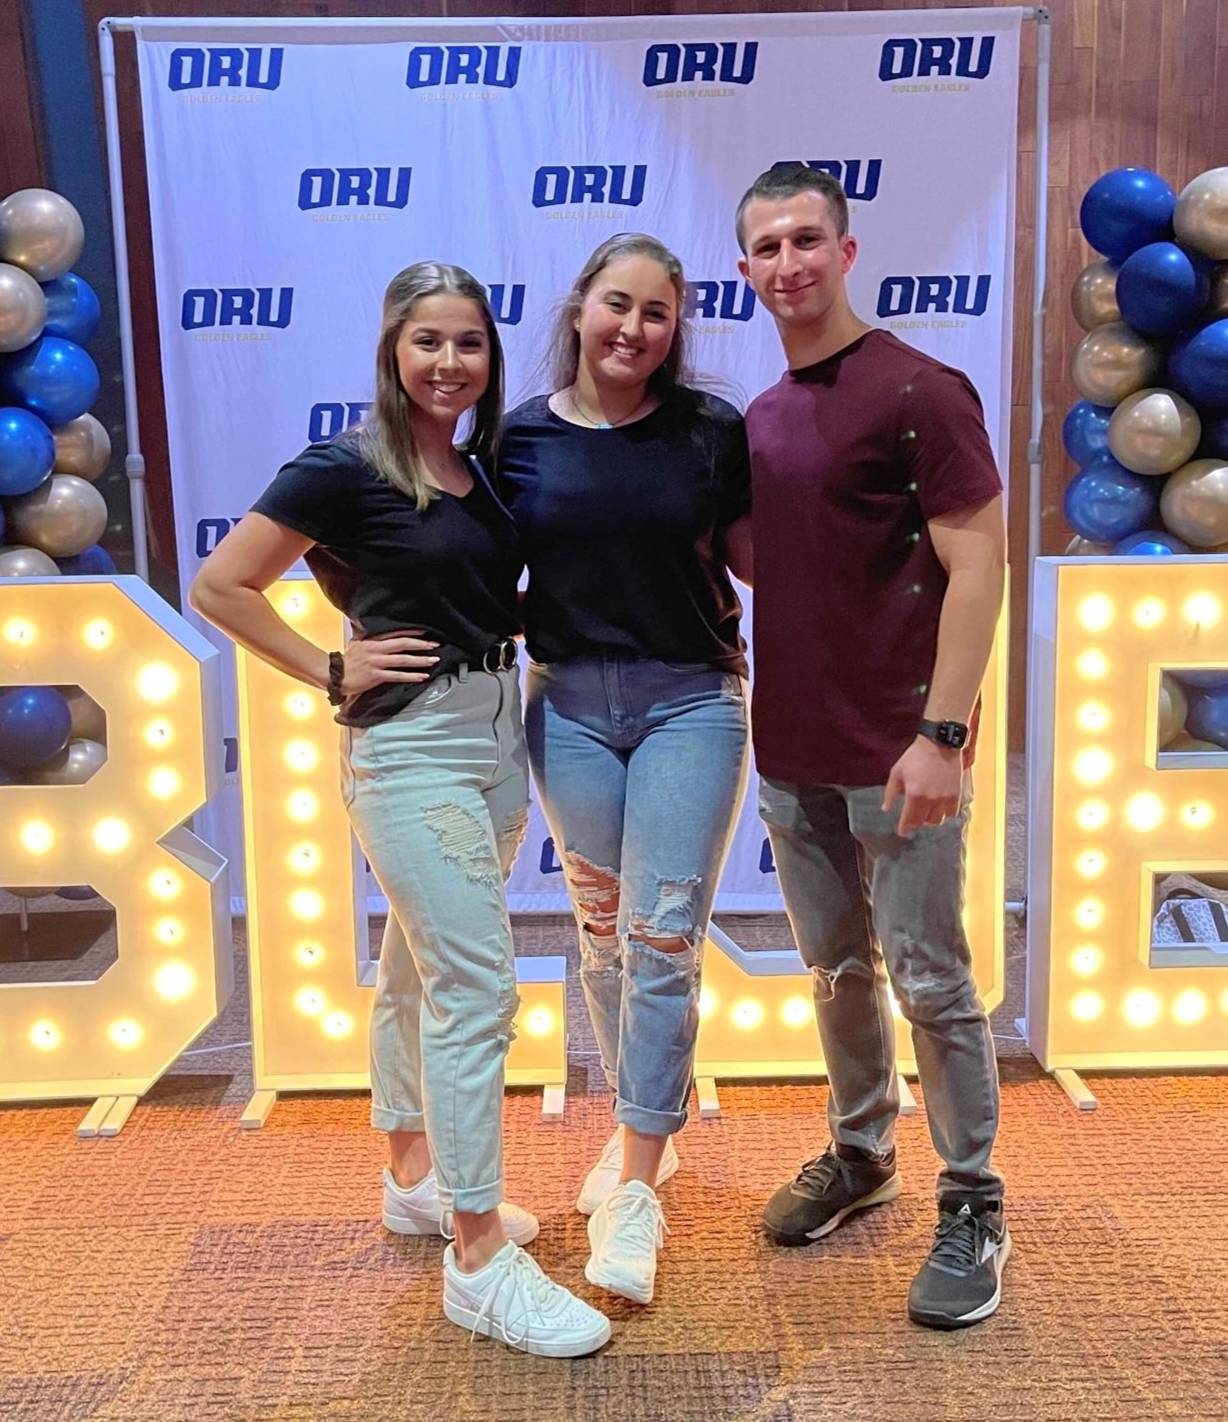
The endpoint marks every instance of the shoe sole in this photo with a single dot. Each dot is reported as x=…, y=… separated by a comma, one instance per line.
x=467, y=1318
x=966, y=1320
x=611, y=1286
x=398, y=1224
x=586, y=1204
x=887, y=1191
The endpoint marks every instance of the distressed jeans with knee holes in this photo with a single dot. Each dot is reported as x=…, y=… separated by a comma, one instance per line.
x=868, y=906
x=641, y=767
x=438, y=797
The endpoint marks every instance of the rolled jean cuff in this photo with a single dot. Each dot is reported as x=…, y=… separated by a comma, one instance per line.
x=647, y=1121
x=472, y=1199
x=382, y=1119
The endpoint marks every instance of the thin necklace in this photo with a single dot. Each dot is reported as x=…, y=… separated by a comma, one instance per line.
x=603, y=424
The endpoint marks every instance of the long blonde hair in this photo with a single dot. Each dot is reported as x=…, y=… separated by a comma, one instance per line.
x=386, y=438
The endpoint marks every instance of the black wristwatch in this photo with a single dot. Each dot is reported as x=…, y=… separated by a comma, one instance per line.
x=953, y=734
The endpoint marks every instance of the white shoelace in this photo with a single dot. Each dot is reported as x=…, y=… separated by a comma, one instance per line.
x=639, y=1221
x=527, y=1279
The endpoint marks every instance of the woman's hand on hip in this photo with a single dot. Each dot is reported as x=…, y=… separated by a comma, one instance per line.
x=398, y=656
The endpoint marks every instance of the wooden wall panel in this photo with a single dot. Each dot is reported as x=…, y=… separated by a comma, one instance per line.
x=1133, y=82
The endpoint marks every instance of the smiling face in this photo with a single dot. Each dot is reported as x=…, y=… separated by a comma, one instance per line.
x=627, y=322
x=443, y=355
x=796, y=259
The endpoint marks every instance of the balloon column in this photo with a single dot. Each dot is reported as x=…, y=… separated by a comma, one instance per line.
x=1150, y=433
x=51, y=448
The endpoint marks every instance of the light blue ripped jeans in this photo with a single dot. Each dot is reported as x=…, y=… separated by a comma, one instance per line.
x=641, y=767
x=438, y=798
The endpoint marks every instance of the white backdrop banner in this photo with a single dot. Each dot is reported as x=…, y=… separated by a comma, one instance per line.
x=294, y=167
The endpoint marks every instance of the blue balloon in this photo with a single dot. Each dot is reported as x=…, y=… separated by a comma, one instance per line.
x=1198, y=365
x=1202, y=679
x=1208, y=718
x=1214, y=443
x=27, y=451
x=53, y=377
x=1085, y=433
x=76, y=891
x=72, y=308
x=1108, y=502
x=1161, y=288
x=1124, y=210
x=35, y=724
x=1151, y=543
x=90, y=562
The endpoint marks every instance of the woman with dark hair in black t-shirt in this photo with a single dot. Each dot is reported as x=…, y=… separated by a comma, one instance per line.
x=632, y=494
x=405, y=536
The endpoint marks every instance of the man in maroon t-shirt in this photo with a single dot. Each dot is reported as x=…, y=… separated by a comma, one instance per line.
x=879, y=550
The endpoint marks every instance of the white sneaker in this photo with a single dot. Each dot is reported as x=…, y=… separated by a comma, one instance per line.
x=511, y=1299
x=418, y=1211
x=626, y=1230
x=605, y=1175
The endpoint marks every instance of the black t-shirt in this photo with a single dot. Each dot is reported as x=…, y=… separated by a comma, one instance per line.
x=620, y=530
x=451, y=570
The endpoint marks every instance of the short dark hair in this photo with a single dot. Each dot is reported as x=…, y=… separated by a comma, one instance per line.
x=786, y=180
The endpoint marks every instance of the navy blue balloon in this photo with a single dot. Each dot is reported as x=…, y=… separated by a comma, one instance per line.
x=72, y=308
x=1124, y=210
x=35, y=724
x=1151, y=543
x=90, y=562
x=1198, y=365
x=53, y=377
x=1108, y=502
x=1161, y=289
x=1208, y=717
x=27, y=451
x=1202, y=679
x=1214, y=443
x=1085, y=433
x=76, y=891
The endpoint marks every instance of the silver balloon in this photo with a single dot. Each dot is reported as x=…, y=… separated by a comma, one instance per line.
x=1080, y=547
x=1194, y=504
x=1217, y=306
x=1185, y=742
x=1174, y=707
x=1093, y=297
x=25, y=563
x=40, y=231
x=29, y=891
x=23, y=308
x=1200, y=218
x=1112, y=362
x=63, y=516
x=73, y=766
x=1154, y=432
x=82, y=447
x=89, y=720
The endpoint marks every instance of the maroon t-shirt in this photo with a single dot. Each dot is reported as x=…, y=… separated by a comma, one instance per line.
x=849, y=459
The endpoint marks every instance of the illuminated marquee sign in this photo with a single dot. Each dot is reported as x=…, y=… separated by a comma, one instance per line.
x=306, y=893
x=1110, y=814
x=121, y=832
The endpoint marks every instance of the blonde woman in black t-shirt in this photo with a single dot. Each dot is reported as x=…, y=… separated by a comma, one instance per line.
x=632, y=494
x=403, y=531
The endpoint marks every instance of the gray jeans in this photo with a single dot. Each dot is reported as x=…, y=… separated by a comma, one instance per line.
x=868, y=906
x=438, y=798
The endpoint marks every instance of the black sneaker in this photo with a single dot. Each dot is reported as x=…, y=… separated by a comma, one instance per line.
x=961, y=1281
x=827, y=1190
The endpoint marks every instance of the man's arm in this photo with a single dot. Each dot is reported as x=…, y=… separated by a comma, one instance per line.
x=971, y=546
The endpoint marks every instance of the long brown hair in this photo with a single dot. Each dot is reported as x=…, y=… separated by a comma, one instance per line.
x=563, y=353
x=386, y=437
